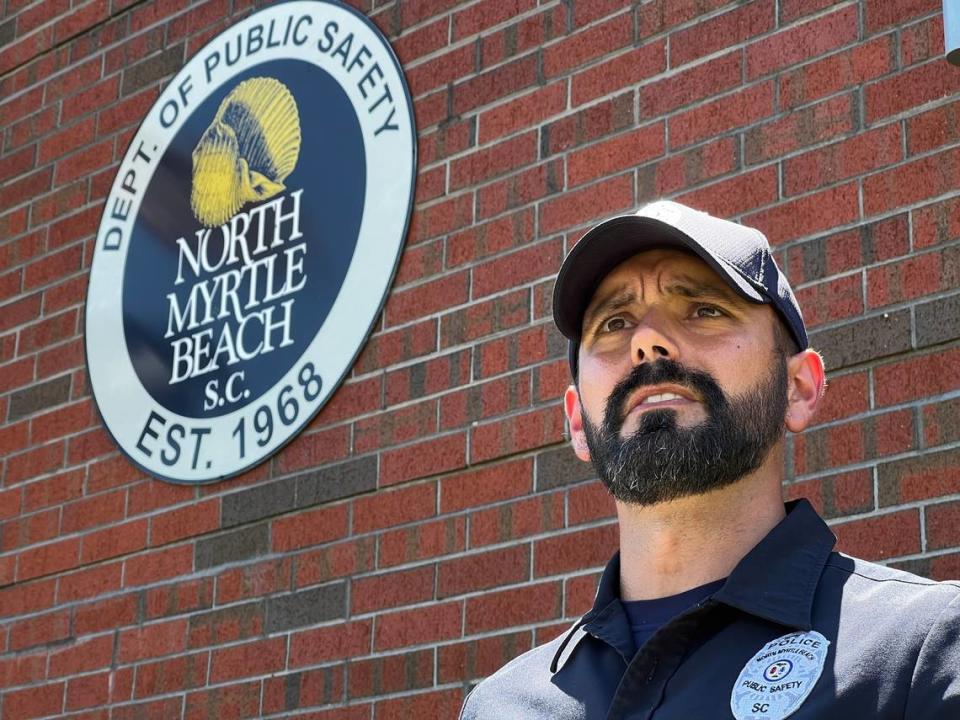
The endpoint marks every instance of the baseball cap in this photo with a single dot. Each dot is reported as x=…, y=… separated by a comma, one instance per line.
x=737, y=253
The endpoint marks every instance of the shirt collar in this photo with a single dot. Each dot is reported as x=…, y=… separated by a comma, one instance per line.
x=776, y=580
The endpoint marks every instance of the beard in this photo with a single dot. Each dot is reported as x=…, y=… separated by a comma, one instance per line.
x=662, y=461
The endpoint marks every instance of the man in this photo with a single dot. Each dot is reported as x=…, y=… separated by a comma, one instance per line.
x=690, y=360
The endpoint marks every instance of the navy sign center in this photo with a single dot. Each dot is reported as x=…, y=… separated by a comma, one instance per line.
x=249, y=240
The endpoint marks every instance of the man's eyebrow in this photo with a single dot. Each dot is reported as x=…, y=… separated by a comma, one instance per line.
x=700, y=290
x=619, y=298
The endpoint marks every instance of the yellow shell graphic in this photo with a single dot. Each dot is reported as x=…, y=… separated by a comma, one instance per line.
x=250, y=148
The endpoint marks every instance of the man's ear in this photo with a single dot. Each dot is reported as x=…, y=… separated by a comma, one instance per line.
x=574, y=413
x=806, y=386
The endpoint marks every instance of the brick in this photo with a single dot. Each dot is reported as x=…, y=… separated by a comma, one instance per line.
x=306, y=607
x=173, y=675
x=48, y=559
x=390, y=348
x=913, y=277
x=589, y=503
x=484, y=401
x=440, y=621
x=942, y=523
x=37, y=701
x=590, y=123
x=867, y=339
x=801, y=42
x=89, y=582
x=690, y=168
x=88, y=691
x=82, y=655
x=226, y=625
x=158, y=565
x=422, y=41
x=110, y=614
x=935, y=174
x=854, y=442
x=394, y=507
x=483, y=15
x=38, y=397
x=40, y=630
x=517, y=268
x=333, y=482
x=241, y=544
x=99, y=509
x=509, y=608
x=558, y=467
x=879, y=14
x=322, y=686
x=483, y=571
x=840, y=71
x=427, y=298
x=491, y=161
x=411, y=422
x=309, y=528
x=628, y=68
x=868, y=243
x=932, y=129
x=350, y=400
x=154, y=640
x=185, y=522
x=485, y=317
x=26, y=188
x=515, y=434
x=522, y=112
x=589, y=44
x=592, y=202
x=342, y=559
x=521, y=518
x=432, y=109
x=836, y=495
x=616, y=154
x=333, y=642
x=831, y=300
x=426, y=260
x=839, y=161
x=721, y=31
x=422, y=541
x=735, y=195
x=919, y=478
x=255, y=658
x=940, y=422
x=83, y=163
x=496, y=83
x=22, y=669
x=659, y=15
x=178, y=597
x=65, y=141
x=709, y=119
x=114, y=541
x=126, y=112
x=442, y=70
x=687, y=86
x=485, y=485
x=98, y=95
x=254, y=580
x=240, y=700
x=309, y=450
x=922, y=41
x=525, y=34
x=881, y=536
x=807, y=126
x=521, y=188
x=807, y=215
x=393, y=589
x=451, y=138
x=481, y=657
x=936, y=224
x=66, y=420
x=445, y=703
x=391, y=674
x=909, y=89
x=527, y=346
x=255, y=503
x=574, y=551
x=846, y=395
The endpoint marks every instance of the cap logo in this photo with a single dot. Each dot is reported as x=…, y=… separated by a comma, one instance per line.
x=778, y=678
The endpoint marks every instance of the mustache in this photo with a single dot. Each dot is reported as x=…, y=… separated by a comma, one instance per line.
x=661, y=371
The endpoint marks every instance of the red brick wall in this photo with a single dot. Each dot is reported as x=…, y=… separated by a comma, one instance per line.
x=430, y=524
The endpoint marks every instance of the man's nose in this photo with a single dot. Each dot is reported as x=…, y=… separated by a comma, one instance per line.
x=651, y=340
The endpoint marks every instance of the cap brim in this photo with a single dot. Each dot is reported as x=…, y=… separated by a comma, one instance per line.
x=611, y=243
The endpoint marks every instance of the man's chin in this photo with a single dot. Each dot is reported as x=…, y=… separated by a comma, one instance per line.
x=666, y=419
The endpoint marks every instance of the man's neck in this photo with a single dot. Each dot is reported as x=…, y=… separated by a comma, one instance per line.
x=671, y=547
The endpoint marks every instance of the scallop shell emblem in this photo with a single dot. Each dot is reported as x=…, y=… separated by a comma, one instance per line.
x=250, y=148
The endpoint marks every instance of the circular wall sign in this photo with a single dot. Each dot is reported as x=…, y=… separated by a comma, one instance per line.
x=249, y=240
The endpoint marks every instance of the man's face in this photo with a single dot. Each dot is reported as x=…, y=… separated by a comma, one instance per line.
x=681, y=389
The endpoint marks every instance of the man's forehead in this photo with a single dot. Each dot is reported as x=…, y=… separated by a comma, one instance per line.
x=668, y=265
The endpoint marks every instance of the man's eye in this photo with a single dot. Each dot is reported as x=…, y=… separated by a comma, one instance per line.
x=613, y=324
x=709, y=311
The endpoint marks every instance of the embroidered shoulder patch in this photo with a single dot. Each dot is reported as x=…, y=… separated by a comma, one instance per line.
x=776, y=681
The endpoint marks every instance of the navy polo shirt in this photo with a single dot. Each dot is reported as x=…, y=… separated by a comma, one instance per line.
x=892, y=644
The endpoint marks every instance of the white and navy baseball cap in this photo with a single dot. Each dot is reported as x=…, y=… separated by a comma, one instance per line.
x=737, y=253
